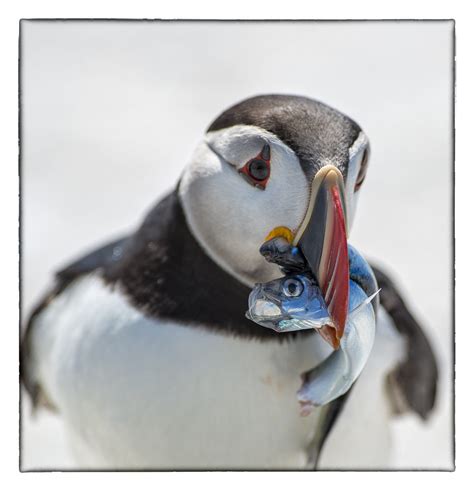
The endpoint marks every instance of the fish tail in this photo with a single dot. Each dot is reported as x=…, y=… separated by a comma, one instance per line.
x=364, y=303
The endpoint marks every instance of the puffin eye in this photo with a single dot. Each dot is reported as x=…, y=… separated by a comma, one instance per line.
x=293, y=287
x=362, y=170
x=257, y=170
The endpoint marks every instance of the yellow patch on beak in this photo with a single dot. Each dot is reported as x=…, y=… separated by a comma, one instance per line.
x=284, y=232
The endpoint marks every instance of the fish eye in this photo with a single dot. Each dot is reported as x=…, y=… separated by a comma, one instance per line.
x=293, y=287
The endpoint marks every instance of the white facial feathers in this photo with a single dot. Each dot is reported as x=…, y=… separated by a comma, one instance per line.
x=356, y=154
x=229, y=217
x=238, y=144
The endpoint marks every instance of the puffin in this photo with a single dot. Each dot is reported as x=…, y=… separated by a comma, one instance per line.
x=143, y=348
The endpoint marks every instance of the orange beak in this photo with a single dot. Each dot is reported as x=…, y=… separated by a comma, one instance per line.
x=322, y=239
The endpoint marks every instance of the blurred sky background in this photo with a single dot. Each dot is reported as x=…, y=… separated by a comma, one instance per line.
x=111, y=112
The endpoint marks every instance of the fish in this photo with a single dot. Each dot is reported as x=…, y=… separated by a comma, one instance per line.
x=295, y=302
x=292, y=303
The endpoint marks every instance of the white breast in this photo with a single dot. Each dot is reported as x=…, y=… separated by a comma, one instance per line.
x=141, y=393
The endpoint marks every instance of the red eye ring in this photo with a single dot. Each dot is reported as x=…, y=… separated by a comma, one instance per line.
x=257, y=170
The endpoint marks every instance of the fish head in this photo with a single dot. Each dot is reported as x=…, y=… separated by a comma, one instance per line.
x=277, y=303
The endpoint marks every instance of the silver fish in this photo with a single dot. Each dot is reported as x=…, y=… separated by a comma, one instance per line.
x=336, y=374
x=291, y=303
x=295, y=302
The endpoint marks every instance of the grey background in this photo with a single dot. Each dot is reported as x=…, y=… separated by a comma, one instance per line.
x=111, y=112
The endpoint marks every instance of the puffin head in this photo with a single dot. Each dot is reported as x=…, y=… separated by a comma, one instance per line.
x=255, y=171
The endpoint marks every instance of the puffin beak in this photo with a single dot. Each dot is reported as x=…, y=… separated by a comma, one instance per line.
x=322, y=239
